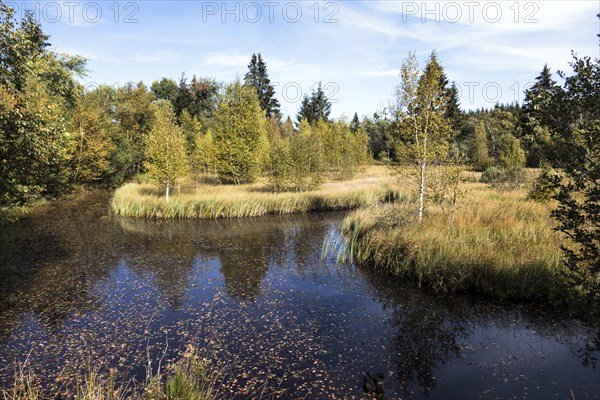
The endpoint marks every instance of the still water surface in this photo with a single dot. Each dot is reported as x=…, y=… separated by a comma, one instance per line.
x=77, y=283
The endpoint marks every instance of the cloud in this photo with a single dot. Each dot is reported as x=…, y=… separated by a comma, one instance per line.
x=232, y=58
x=157, y=56
x=90, y=55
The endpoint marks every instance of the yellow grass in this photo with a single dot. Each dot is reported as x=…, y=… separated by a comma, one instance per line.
x=501, y=244
x=213, y=200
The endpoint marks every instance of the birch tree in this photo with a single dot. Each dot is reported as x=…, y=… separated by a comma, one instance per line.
x=239, y=134
x=166, y=158
x=423, y=129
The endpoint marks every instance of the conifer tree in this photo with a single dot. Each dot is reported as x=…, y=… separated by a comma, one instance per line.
x=540, y=111
x=355, y=124
x=258, y=78
x=315, y=108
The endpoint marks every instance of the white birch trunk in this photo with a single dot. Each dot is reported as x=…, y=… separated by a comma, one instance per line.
x=421, y=190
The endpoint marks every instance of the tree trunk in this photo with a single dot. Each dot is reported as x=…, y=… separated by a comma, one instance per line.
x=421, y=190
x=167, y=192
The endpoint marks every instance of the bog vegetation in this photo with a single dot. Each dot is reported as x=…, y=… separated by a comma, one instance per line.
x=56, y=136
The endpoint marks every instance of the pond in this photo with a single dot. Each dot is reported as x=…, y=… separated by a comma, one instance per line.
x=257, y=298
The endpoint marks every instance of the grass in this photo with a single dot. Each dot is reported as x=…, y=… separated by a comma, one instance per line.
x=213, y=200
x=192, y=377
x=501, y=245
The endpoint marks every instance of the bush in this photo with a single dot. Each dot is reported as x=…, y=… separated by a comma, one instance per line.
x=545, y=187
x=500, y=178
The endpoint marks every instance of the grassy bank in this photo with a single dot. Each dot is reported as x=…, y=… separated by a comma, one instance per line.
x=501, y=245
x=213, y=200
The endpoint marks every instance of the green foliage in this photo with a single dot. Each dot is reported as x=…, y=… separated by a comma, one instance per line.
x=453, y=113
x=575, y=136
x=258, y=78
x=135, y=117
x=37, y=92
x=203, y=158
x=479, y=150
x=91, y=145
x=539, y=112
x=165, y=89
x=296, y=162
x=545, y=186
x=33, y=143
x=448, y=190
x=273, y=129
x=199, y=97
x=288, y=129
x=241, y=144
x=191, y=128
x=315, y=108
x=509, y=170
x=355, y=123
x=279, y=166
x=166, y=160
x=326, y=149
x=307, y=159
x=343, y=151
x=379, y=130
x=20, y=44
x=423, y=128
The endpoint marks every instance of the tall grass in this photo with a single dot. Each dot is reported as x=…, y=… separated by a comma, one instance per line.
x=500, y=245
x=191, y=377
x=211, y=200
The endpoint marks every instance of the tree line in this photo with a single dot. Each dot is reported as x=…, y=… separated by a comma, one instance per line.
x=55, y=135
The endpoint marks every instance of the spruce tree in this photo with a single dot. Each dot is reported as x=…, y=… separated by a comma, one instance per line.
x=258, y=78
x=315, y=108
x=355, y=124
x=540, y=110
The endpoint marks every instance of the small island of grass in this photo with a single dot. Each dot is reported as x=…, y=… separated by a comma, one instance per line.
x=210, y=199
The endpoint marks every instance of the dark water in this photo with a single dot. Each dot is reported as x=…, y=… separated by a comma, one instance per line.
x=77, y=284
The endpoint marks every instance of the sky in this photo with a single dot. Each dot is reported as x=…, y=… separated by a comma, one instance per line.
x=492, y=50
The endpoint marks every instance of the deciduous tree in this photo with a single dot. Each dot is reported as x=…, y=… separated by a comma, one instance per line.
x=241, y=145
x=423, y=128
x=165, y=156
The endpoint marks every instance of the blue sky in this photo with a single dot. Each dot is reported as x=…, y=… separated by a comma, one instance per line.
x=492, y=50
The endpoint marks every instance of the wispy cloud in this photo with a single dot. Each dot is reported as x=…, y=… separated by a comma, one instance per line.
x=360, y=53
x=164, y=56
